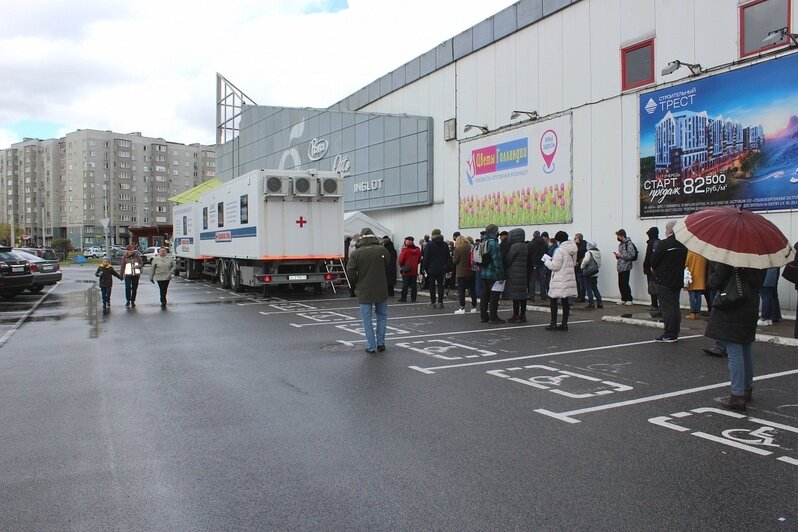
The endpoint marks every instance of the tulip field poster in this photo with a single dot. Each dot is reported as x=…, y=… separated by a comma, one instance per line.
x=730, y=139
x=518, y=177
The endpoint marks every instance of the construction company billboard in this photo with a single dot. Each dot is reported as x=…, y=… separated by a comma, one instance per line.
x=518, y=177
x=731, y=139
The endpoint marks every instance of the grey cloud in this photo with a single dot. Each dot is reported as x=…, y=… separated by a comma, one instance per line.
x=57, y=19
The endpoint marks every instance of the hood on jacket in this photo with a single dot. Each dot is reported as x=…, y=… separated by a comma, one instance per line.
x=516, y=236
x=568, y=246
x=653, y=233
x=367, y=240
x=591, y=245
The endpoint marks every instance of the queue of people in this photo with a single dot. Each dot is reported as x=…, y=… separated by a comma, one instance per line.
x=562, y=271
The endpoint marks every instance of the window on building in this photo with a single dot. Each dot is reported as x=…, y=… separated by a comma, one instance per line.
x=205, y=217
x=220, y=214
x=759, y=18
x=244, y=208
x=637, y=65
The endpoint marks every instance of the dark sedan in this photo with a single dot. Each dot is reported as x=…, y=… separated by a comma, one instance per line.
x=45, y=272
x=15, y=274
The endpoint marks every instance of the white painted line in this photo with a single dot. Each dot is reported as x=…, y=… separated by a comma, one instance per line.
x=555, y=353
x=470, y=331
x=789, y=460
x=333, y=309
x=657, y=397
x=357, y=320
x=24, y=317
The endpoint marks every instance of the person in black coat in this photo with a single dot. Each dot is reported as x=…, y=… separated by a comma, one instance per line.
x=734, y=329
x=667, y=264
x=390, y=270
x=434, y=261
x=651, y=245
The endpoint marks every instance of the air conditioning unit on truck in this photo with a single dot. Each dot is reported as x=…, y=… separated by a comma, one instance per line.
x=264, y=228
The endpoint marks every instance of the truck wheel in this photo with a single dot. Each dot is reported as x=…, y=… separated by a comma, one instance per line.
x=235, y=276
x=224, y=276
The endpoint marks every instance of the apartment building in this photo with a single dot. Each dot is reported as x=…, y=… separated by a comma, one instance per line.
x=66, y=188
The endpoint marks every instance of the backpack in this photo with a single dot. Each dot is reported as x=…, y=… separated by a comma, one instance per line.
x=472, y=260
x=482, y=255
x=634, y=251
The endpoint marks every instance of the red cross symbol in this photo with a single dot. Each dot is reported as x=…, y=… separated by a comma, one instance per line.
x=301, y=222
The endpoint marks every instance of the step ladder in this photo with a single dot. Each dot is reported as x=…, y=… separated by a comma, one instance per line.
x=337, y=267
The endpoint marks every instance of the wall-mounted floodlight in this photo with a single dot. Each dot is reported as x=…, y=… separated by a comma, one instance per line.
x=673, y=66
x=533, y=115
x=469, y=127
x=779, y=35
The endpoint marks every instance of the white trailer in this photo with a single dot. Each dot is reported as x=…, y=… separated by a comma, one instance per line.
x=264, y=228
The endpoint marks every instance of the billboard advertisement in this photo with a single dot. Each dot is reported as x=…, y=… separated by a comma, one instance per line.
x=518, y=177
x=731, y=139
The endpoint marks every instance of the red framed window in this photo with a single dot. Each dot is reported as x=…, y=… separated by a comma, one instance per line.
x=757, y=19
x=637, y=65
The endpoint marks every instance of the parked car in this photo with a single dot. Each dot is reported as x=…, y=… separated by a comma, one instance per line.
x=15, y=274
x=94, y=252
x=43, y=253
x=45, y=272
x=152, y=252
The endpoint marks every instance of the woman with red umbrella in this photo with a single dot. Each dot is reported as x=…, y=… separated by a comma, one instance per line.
x=743, y=245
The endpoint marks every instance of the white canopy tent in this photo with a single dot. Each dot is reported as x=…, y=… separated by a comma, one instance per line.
x=355, y=221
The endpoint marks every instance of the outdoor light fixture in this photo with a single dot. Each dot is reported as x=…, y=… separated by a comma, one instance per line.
x=469, y=127
x=779, y=34
x=673, y=66
x=533, y=115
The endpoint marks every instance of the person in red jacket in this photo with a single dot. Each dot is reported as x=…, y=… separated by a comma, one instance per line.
x=409, y=259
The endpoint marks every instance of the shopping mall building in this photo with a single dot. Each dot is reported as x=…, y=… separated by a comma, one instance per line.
x=581, y=115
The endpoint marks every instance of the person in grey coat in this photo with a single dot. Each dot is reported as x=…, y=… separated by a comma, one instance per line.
x=367, y=266
x=161, y=270
x=517, y=272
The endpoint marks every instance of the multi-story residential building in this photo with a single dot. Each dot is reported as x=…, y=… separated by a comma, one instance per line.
x=66, y=188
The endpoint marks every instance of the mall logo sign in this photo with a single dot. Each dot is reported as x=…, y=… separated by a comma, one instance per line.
x=317, y=148
x=651, y=106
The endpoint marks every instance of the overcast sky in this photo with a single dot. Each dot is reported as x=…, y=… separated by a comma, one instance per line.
x=150, y=65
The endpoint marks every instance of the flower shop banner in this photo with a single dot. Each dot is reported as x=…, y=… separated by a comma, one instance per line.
x=728, y=139
x=518, y=177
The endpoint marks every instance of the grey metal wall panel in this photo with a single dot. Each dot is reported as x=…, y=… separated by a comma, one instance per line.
x=529, y=12
x=398, y=77
x=504, y=22
x=408, y=150
x=463, y=44
x=412, y=70
x=376, y=131
x=427, y=63
x=362, y=97
x=385, y=85
x=550, y=6
x=374, y=91
x=444, y=53
x=392, y=127
x=482, y=34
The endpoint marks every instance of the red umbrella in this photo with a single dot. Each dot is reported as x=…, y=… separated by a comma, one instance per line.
x=735, y=237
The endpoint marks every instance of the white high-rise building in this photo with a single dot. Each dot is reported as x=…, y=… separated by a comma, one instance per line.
x=64, y=188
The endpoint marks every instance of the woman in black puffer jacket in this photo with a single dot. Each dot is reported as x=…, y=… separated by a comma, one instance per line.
x=517, y=272
x=735, y=330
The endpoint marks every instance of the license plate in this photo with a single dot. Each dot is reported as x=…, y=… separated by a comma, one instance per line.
x=297, y=277
x=47, y=268
x=17, y=268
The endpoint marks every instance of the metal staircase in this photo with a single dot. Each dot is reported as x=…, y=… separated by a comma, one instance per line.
x=337, y=267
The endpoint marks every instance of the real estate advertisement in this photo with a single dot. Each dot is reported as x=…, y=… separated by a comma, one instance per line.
x=727, y=140
x=518, y=177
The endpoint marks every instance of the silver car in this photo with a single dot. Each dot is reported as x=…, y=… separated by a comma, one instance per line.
x=45, y=272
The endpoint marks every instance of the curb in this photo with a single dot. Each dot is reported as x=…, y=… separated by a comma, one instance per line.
x=765, y=338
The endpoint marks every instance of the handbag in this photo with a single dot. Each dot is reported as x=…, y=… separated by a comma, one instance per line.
x=790, y=272
x=404, y=269
x=734, y=294
x=591, y=268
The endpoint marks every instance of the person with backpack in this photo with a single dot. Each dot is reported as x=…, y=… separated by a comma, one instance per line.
x=591, y=264
x=626, y=255
x=491, y=272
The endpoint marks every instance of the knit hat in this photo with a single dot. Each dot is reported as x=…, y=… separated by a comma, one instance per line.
x=455, y=234
x=492, y=229
x=366, y=231
x=561, y=236
x=410, y=238
x=436, y=232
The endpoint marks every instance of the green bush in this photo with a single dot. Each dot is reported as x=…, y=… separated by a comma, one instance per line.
x=62, y=246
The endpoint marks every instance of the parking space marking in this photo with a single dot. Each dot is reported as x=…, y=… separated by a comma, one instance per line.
x=760, y=440
x=292, y=307
x=349, y=343
x=568, y=416
x=361, y=331
x=432, y=370
x=437, y=348
x=322, y=317
x=552, y=383
x=25, y=316
x=267, y=313
x=355, y=320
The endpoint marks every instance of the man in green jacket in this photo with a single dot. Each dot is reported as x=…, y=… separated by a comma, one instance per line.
x=366, y=270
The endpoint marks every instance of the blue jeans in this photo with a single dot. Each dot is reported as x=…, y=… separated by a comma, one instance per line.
x=695, y=300
x=131, y=287
x=770, y=303
x=382, y=321
x=741, y=366
x=591, y=289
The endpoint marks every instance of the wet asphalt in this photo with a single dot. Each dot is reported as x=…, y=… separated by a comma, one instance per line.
x=230, y=412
